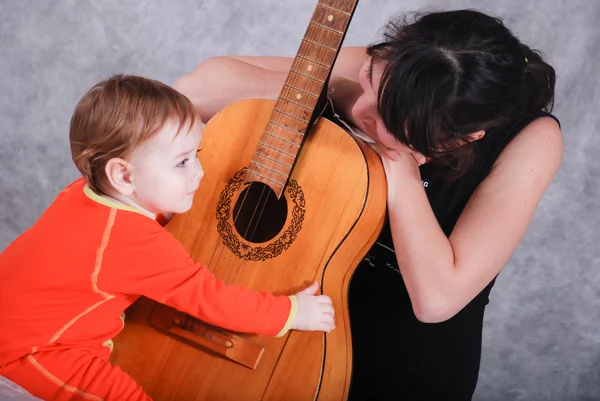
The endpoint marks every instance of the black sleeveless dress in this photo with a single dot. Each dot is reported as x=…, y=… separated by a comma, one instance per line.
x=396, y=357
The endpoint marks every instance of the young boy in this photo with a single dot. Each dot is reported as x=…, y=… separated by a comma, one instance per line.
x=99, y=247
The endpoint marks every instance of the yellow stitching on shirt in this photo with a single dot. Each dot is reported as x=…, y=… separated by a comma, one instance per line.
x=100, y=253
x=60, y=383
x=94, y=278
x=66, y=326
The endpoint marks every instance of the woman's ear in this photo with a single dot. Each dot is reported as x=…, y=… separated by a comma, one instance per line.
x=119, y=175
x=475, y=136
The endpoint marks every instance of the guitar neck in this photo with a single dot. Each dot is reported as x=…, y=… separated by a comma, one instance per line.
x=282, y=138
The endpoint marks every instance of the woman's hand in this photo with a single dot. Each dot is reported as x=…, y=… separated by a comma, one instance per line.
x=399, y=167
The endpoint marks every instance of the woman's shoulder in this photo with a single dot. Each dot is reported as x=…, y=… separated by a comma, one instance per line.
x=537, y=142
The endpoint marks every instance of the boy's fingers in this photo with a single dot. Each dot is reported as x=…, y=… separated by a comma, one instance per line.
x=328, y=327
x=310, y=290
x=328, y=310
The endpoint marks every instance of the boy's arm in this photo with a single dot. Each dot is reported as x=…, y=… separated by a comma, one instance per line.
x=196, y=291
x=158, y=267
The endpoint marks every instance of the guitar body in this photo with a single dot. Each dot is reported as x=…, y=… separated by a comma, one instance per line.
x=335, y=209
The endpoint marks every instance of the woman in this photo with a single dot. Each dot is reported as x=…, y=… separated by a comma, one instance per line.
x=457, y=109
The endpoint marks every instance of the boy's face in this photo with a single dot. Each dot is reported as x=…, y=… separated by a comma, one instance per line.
x=165, y=171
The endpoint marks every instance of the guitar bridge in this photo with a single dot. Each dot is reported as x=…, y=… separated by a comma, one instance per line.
x=206, y=336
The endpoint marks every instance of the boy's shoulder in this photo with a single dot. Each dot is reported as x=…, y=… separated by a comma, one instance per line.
x=143, y=241
x=72, y=189
x=78, y=183
x=90, y=211
x=126, y=230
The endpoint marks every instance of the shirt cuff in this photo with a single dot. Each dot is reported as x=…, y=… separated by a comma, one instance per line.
x=291, y=317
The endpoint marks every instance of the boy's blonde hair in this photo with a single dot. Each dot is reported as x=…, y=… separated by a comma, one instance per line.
x=118, y=115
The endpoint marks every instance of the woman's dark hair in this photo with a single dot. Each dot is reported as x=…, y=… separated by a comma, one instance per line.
x=450, y=74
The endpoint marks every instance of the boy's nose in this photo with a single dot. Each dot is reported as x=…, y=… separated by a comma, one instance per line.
x=199, y=173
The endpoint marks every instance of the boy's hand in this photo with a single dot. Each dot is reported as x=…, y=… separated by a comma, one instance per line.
x=315, y=312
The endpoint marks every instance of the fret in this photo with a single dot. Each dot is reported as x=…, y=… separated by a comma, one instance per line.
x=334, y=9
x=313, y=61
x=297, y=81
x=266, y=156
x=274, y=159
x=292, y=109
x=308, y=76
x=282, y=137
x=312, y=51
x=330, y=19
x=316, y=34
x=287, y=128
x=326, y=27
x=297, y=104
x=288, y=93
x=303, y=91
x=319, y=44
x=342, y=6
x=316, y=70
x=290, y=116
x=269, y=169
x=280, y=150
x=260, y=143
x=261, y=177
x=292, y=143
x=284, y=134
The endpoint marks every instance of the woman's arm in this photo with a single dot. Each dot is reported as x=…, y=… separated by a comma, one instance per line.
x=347, y=65
x=220, y=81
x=443, y=274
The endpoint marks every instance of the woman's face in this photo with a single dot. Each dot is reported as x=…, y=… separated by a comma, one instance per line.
x=367, y=117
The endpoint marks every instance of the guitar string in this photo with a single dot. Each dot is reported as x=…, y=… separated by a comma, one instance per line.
x=222, y=246
x=320, y=113
x=265, y=186
x=254, y=212
x=261, y=213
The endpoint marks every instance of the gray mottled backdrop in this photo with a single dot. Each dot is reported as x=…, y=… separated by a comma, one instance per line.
x=542, y=330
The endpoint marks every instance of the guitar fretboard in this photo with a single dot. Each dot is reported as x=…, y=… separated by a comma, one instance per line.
x=282, y=138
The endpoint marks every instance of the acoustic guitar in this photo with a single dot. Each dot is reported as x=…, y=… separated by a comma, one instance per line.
x=288, y=198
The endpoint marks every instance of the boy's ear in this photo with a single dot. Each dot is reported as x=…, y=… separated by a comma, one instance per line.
x=118, y=173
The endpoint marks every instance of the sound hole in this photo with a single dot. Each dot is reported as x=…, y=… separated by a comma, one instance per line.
x=258, y=215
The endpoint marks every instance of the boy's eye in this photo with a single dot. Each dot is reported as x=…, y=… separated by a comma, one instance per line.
x=182, y=163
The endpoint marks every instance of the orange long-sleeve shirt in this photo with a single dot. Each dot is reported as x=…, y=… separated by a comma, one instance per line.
x=65, y=281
